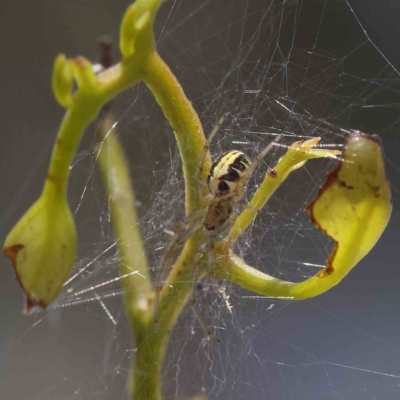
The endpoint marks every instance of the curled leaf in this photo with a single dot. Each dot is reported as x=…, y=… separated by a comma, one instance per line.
x=136, y=34
x=62, y=81
x=354, y=205
x=128, y=31
x=42, y=248
x=82, y=70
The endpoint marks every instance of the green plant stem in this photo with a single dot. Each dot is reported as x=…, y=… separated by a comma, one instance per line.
x=174, y=296
x=149, y=355
x=134, y=270
x=144, y=378
x=150, y=344
x=71, y=130
x=235, y=270
x=84, y=109
x=183, y=119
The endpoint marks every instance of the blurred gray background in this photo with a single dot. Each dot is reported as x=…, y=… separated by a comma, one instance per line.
x=343, y=345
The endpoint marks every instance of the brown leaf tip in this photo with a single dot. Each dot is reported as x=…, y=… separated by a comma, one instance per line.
x=32, y=306
x=11, y=252
x=81, y=62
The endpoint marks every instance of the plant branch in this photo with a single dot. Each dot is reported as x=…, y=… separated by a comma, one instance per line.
x=132, y=256
x=184, y=121
x=235, y=270
x=174, y=296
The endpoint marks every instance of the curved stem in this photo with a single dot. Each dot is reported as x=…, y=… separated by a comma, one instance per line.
x=175, y=294
x=183, y=119
x=235, y=270
x=71, y=130
x=84, y=109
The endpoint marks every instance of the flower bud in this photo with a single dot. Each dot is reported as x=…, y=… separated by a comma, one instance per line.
x=42, y=247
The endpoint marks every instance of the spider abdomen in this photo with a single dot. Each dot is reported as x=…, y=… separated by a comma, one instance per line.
x=226, y=172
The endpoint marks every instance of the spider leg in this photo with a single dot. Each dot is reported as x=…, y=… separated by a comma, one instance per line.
x=173, y=245
x=193, y=301
x=179, y=238
x=244, y=206
x=211, y=257
x=260, y=156
x=252, y=167
x=206, y=148
x=194, y=216
x=218, y=235
x=155, y=306
x=183, y=234
x=202, y=182
x=201, y=321
x=207, y=145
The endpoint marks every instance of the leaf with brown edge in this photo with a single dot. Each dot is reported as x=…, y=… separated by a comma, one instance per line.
x=353, y=206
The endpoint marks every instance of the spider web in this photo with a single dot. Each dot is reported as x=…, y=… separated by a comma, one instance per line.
x=297, y=68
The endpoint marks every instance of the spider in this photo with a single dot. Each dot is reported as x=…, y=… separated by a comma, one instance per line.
x=226, y=182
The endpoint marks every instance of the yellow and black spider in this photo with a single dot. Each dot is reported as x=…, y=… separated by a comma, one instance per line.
x=226, y=182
